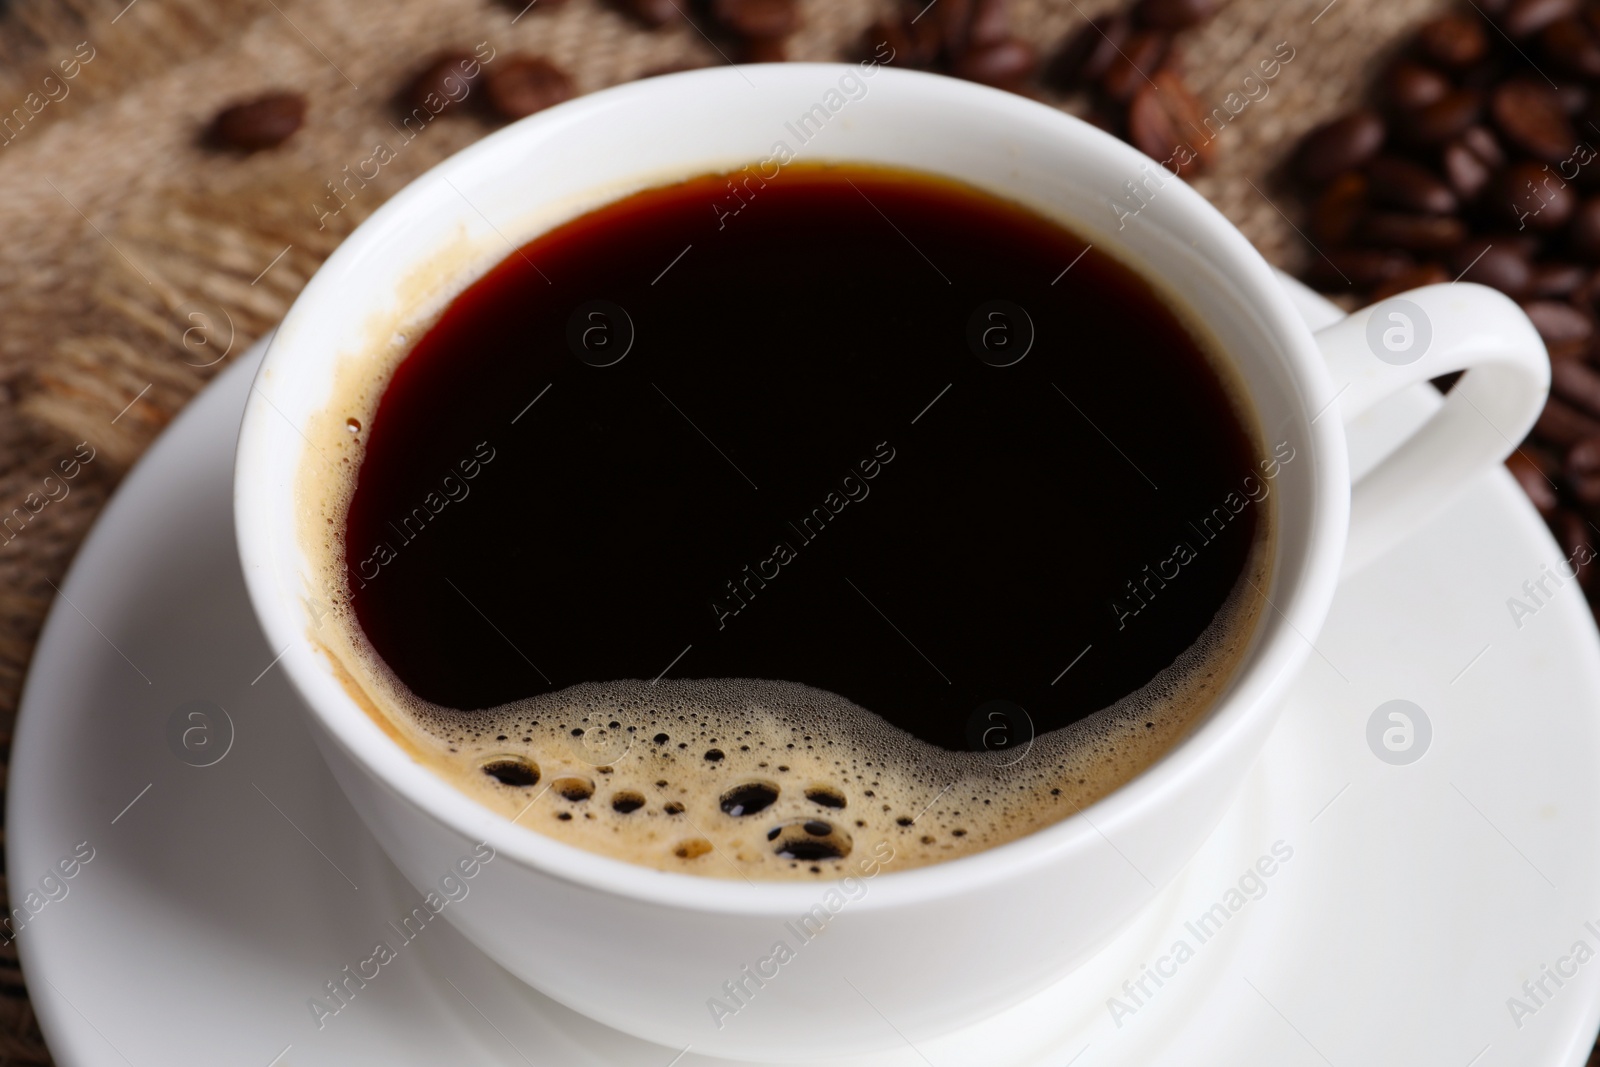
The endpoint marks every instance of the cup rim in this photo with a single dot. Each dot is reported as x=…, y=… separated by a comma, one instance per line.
x=1252, y=692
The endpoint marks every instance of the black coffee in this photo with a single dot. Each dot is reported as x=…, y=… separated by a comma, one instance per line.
x=873, y=433
x=751, y=530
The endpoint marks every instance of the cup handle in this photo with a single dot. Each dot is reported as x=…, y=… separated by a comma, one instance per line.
x=1378, y=351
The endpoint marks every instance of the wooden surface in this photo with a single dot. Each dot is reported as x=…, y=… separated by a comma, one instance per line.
x=117, y=223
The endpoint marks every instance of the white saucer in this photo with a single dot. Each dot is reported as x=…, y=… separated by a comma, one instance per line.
x=1418, y=898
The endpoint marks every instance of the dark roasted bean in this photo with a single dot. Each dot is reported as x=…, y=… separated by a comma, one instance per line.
x=763, y=50
x=1484, y=145
x=1415, y=278
x=1161, y=121
x=1467, y=173
x=1533, y=197
x=758, y=18
x=1582, y=470
x=1173, y=15
x=1334, y=215
x=990, y=22
x=1566, y=330
x=1583, y=233
x=1574, y=534
x=1088, y=54
x=654, y=12
x=1444, y=119
x=1338, y=146
x=1532, y=118
x=1578, y=384
x=1495, y=264
x=1362, y=268
x=1570, y=43
x=1400, y=183
x=1563, y=425
x=909, y=44
x=1411, y=85
x=1557, y=279
x=1141, y=57
x=1527, y=17
x=1415, y=233
x=265, y=122
x=1454, y=40
x=444, y=82
x=1535, y=481
x=1003, y=64
x=522, y=85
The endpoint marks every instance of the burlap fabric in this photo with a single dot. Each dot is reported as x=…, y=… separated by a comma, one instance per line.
x=116, y=222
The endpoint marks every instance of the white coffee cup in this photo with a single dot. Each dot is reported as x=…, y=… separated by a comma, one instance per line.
x=901, y=954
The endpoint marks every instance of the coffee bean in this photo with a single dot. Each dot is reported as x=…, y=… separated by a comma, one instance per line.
x=1003, y=64
x=1173, y=15
x=522, y=85
x=1444, y=119
x=1454, y=41
x=443, y=83
x=1335, y=147
x=1342, y=203
x=1484, y=146
x=909, y=44
x=265, y=122
x=1583, y=233
x=1563, y=425
x=1566, y=330
x=1467, y=174
x=1531, y=196
x=1088, y=53
x=1361, y=268
x=1415, y=278
x=1577, y=384
x=1574, y=534
x=990, y=22
x=1414, y=233
x=1572, y=98
x=1525, y=18
x=1557, y=280
x=1582, y=471
x=763, y=50
x=1411, y=85
x=1535, y=481
x=654, y=13
x=758, y=18
x=1532, y=118
x=1493, y=263
x=1141, y=57
x=1161, y=124
x=1403, y=184
x=951, y=18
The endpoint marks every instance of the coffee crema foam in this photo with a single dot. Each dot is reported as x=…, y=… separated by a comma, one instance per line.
x=737, y=778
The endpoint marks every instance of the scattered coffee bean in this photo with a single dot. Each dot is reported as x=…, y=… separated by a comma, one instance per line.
x=1524, y=18
x=1088, y=53
x=1466, y=172
x=990, y=22
x=1338, y=146
x=1003, y=64
x=1532, y=197
x=654, y=13
x=1414, y=233
x=1399, y=183
x=522, y=85
x=1577, y=384
x=1171, y=16
x=758, y=18
x=443, y=83
x=1584, y=232
x=1566, y=330
x=1160, y=124
x=1454, y=40
x=1362, y=268
x=1571, y=45
x=1448, y=117
x=265, y=122
x=1411, y=85
x=1342, y=203
x=1557, y=280
x=1531, y=118
x=1415, y=278
x=1564, y=426
x=1130, y=71
x=1538, y=484
x=1495, y=264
